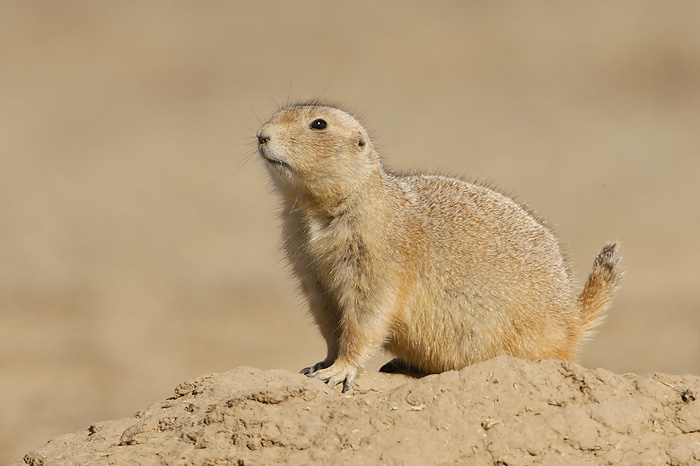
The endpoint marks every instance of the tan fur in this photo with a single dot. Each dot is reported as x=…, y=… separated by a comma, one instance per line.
x=440, y=272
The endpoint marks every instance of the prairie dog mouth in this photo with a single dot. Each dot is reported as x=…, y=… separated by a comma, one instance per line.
x=272, y=160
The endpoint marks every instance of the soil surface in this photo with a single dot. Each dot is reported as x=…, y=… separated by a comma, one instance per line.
x=504, y=411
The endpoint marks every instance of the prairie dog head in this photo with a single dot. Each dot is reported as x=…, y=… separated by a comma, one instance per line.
x=316, y=151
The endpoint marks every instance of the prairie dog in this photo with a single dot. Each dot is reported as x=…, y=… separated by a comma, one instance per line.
x=440, y=272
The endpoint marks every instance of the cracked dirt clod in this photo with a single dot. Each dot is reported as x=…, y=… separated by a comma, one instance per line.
x=538, y=413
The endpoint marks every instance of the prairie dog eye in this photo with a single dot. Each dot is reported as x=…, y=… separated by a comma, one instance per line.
x=319, y=124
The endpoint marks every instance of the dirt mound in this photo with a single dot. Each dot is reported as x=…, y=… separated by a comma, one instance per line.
x=502, y=411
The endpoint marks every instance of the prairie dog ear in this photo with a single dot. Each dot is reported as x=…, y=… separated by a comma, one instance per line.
x=360, y=141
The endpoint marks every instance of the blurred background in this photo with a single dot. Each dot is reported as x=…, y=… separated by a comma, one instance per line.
x=139, y=240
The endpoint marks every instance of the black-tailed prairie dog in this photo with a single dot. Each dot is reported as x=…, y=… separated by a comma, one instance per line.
x=440, y=272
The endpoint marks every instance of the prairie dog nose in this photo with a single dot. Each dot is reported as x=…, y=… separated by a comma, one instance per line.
x=263, y=136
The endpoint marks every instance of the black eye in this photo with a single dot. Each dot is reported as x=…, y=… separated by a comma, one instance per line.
x=318, y=124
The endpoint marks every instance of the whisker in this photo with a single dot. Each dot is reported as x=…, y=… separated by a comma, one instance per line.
x=248, y=139
x=260, y=120
x=274, y=102
x=242, y=163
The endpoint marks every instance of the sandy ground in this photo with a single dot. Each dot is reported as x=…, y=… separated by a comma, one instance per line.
x=138, y=233
x=504, y=411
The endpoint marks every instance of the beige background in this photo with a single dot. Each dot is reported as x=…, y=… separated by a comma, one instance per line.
x=138, y=234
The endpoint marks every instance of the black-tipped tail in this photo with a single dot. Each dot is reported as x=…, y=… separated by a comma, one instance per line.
x=601, y=286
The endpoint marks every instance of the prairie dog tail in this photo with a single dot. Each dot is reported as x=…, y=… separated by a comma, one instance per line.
x=600, y=286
